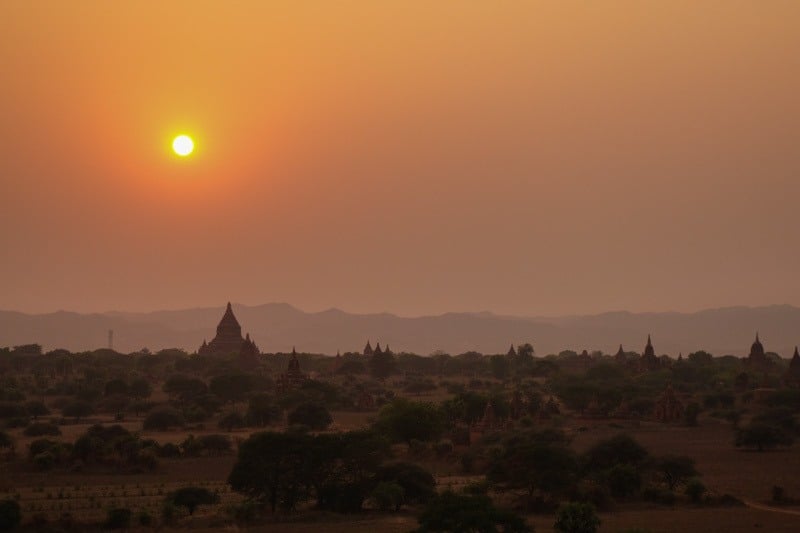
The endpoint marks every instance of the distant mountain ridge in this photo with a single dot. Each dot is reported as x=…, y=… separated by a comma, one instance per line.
x=277, y=327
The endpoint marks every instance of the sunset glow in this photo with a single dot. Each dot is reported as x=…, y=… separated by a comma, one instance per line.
x=470, y=155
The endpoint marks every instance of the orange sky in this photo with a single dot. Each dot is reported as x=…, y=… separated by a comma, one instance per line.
x=413, y=157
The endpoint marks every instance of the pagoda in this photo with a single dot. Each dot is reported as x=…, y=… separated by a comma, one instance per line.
x=294, y=377
x=757, y=356
x=620, y=356
x=792, y=376
x=649, y=361
x=229, y=340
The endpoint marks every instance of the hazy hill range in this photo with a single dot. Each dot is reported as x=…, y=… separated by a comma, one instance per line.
x=278, y=327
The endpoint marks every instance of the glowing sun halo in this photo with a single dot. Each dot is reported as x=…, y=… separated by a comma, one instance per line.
x=183, y=145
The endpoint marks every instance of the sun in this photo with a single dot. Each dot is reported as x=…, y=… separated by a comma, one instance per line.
x=183, y=145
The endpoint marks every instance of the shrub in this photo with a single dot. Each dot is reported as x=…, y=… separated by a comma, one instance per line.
x=216, y=444
x=195, y=413
x=443, y=448
x=388, y=496
x=261, y=411
x=41, y=445
x=10, y=515
x=577, y=518
x=691, y=413
x=695, y=490
x=44, y=460
x=168, y=449
x=588, y=491
x=760, y=436
x=675, y=469
x=12, y=410
x=147, y=458
x=162, y=418
x=417, y=448
x=39, y=429
x=77, y=409
x=145, y=519
x=169, y=513
x=118, y=518
x=463, y=512
x=418, y=485
x=658, y=495
x=623, y=480
x=192, y=497
x=231, y=421
x=6, y=441
x=192, y=446
x=313, y=415
x=620, y=449
x=244, y=513
x=35, y=408
x=20, y=422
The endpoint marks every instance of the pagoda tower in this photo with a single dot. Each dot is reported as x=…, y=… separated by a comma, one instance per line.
x=758, y=356
x=649, y=361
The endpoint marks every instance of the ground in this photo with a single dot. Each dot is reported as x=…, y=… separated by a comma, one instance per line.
x=725, y=469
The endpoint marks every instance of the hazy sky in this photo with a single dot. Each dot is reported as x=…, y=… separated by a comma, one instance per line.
x=413, y=157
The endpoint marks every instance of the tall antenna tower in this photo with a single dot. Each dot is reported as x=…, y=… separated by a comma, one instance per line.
x=111, y=339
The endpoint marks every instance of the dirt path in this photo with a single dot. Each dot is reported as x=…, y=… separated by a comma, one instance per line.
x=762, y=507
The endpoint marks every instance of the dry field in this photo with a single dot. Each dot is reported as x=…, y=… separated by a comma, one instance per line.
x=724, y=468
x=746, y=475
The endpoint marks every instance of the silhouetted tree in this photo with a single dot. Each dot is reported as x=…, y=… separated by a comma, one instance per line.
x=405, y=421
x=274, y=468
x=382, y=365
x=262, y=411
x=500, y=366
x=162, y=419
x=621, y=449
x=10, y=515
x=418, y=485
x=762, y=437
x=312, y=415
x=231, y=421
x=36, y=408
x=140, y=388
x=577, y=518
x=192, y=497
x=77, y=409
x=449, y=512
x=675, y=469
x=231, y=387
x=533, y=462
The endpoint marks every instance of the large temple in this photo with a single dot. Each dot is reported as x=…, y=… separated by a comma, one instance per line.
x=229, y=340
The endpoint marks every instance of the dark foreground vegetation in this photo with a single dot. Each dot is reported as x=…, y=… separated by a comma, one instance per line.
x=470, y=442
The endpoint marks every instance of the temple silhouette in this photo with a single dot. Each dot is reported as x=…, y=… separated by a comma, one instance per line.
x=757, y=356
x=229, y=340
